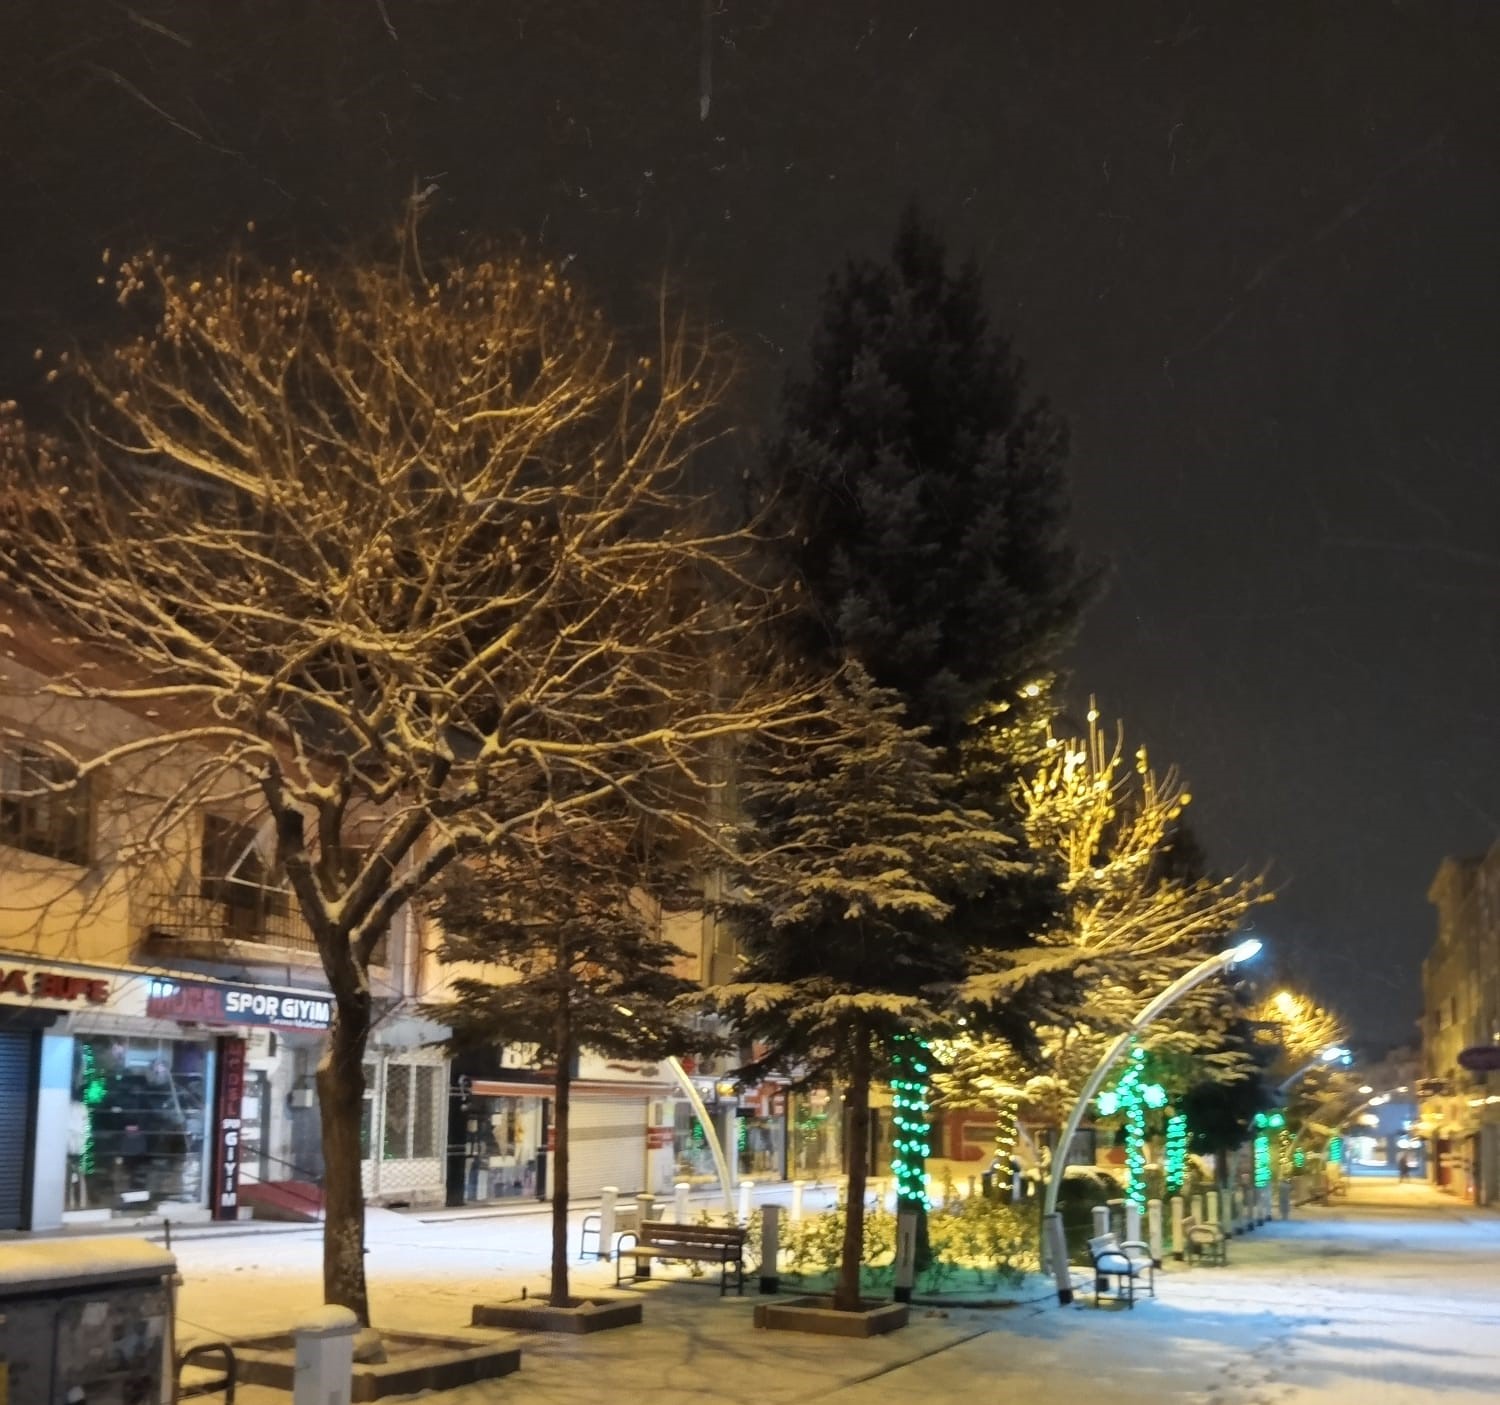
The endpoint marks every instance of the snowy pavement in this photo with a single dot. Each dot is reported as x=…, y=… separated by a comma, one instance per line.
x=1392, y=1296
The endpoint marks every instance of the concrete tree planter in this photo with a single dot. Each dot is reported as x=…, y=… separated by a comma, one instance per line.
x=417, y=1361
x=593, y=1314
x=818, y=1316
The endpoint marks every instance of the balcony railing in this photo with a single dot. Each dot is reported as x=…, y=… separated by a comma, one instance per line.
x=210, y=927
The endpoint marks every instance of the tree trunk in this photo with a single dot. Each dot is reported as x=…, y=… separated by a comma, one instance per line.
x=560, y=1111
x=846, y=1296
x=341, y=1087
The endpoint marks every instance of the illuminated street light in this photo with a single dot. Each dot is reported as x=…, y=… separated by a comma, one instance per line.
x=1334, y=1053
x=1052, y=1221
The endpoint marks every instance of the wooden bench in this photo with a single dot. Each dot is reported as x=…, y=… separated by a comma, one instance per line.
x=1124, y=1263
x=697, y=1243
x=1207, y=1242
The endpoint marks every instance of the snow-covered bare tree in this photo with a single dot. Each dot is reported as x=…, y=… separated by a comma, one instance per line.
x=401, y=552
x=1136, y=902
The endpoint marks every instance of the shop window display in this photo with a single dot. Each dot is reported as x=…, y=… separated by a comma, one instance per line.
x=136, y=1131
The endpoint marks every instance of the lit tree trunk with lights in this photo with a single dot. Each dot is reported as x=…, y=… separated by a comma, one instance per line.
x=397, y=558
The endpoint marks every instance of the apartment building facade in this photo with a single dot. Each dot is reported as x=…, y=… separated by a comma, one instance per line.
x=1461, y=1013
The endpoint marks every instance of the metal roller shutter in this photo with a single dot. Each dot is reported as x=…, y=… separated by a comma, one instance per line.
x=17, y=1073
x=607, y=1145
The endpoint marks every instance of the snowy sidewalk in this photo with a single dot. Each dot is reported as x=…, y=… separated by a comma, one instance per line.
x=1392, y=1295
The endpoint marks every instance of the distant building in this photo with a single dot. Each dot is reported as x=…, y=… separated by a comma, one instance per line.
x=1461, y=1010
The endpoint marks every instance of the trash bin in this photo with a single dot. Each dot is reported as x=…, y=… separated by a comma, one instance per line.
x=85, y=1320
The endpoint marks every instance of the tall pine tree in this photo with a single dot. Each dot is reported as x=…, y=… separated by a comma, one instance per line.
x=923, y=503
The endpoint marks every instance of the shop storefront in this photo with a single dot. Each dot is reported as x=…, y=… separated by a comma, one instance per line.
x=500, y=1131
x=815, y=1140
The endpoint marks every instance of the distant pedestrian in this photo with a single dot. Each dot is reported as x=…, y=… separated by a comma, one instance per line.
x=1403, y=1166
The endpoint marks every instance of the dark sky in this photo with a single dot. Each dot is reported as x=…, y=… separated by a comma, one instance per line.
x=1249, y=248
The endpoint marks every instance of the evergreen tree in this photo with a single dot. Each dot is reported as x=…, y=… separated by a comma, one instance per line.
x=922, y=496
x=583, y=968
x=858, y=854
x=923, y=492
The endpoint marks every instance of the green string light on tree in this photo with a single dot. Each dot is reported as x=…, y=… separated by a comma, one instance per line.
x=909, y=1113
x=1176, y=1153
x=1132, y=1095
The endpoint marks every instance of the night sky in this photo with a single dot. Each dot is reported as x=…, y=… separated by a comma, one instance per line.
x=1249, y=248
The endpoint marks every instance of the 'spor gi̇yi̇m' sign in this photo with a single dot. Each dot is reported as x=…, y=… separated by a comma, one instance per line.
x=198, y=1002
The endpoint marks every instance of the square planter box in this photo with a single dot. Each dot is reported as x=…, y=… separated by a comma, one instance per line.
x=538, y=1314
x=417, y=1362
x=817, y=1315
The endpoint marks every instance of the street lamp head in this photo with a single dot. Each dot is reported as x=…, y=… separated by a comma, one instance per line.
x=1247, y=949
x=1366, y=1089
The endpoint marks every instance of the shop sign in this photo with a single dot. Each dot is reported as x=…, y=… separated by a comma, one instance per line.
x=51, y=988
x=658, y=1138
x=230, y=1106
x=1480, y=1058
x=199, y=1002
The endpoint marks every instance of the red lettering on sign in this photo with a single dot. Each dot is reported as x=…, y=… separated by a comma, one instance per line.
x=54, y=985
x=98, y=992
x=13, y=983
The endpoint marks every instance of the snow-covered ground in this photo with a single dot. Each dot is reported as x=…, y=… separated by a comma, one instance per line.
x=1393, y=1296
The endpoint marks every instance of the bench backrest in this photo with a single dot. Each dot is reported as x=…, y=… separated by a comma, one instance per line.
x=1104, y=1244
x=660, y=1232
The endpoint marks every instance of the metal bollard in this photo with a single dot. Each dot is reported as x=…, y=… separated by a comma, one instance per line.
x=1211, y=1207
x=1132, y=1222
x=607, y=1196
x=1198, y=1208
x=1056, y=1240
x=770, y=1248
x=645, y=1207
x=323, y=1368
x=745, y=1188
x=1286, y=1200
x=906, y=1252
x=1153, y=1231
x=1179, y=1215
x=680, y=1201
x=1101, y=1220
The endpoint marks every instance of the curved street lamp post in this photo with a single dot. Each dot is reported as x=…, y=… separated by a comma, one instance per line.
x=1054, y=1238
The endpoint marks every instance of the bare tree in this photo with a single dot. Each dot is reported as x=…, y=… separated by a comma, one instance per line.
x=404, y=550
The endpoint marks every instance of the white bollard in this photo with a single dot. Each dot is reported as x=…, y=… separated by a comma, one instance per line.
x=1101, y=1220
x=797, y=1188
x=1211, y=1207
x=607, y=1196
x=645, y=1208
x=680, y=1201
x=745, y=1188
x=1198, y=1208
x=1153, y=1231
x=323, y=1368
x=1056, y=1240
x=1179, y=1214
x=770, y=1248
x=906, y=1252
x=1132, y=1222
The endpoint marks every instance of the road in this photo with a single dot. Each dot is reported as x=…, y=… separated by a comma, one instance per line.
x=1391, y=1296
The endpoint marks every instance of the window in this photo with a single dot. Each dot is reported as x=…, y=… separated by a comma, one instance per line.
x=233, y=871
x=43, y=809
x=397, y=1112
x=424, y=1124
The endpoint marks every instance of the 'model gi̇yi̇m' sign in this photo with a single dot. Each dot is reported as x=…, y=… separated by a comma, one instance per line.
x=199, y=1002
